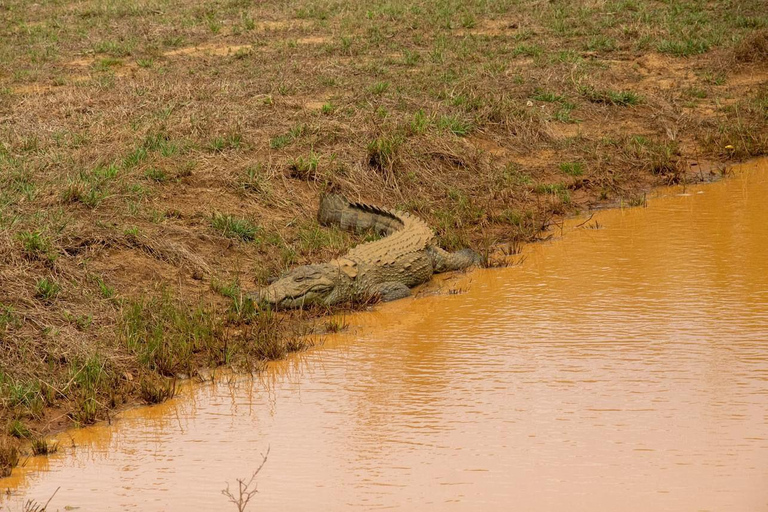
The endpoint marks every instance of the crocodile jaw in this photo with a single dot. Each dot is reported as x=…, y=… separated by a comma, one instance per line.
x=308, y=284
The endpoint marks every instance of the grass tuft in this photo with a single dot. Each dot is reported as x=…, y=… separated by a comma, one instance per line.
x=234, y=227
x=611, y=97
x=47, y=289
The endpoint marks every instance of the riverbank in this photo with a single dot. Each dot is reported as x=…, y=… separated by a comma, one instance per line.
x=160, y=159
x=628, y=349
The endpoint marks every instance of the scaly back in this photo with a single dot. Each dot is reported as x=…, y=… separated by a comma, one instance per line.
x=405, y=232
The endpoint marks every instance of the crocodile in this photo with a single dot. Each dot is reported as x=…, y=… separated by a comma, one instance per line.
x=386, y=269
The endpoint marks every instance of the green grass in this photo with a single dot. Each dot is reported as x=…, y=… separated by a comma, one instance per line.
x=379, y=88
x=41, y=446
x=47, y=289
x=572, y=168
x=234, y=227
x=454, y=124
x=305, y=167
x=683, y=48
x=420, y=122
x=383, y=151
x=230, y=141
x=37, y=246
x=611, y=97
x=280, y=141
x=155, y=174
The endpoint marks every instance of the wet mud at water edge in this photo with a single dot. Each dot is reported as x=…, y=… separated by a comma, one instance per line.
x=623, y=366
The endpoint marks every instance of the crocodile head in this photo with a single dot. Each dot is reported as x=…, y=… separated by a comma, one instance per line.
x=305, y=285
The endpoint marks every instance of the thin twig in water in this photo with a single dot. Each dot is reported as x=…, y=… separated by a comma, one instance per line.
x=245, y=493
x=589, y=219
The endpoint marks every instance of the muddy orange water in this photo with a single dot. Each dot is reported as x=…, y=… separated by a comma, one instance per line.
x=621, y=368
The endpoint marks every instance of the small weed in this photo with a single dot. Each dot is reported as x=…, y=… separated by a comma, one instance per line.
x=382, y=151
x=47, y=289
x=410, y=58
x=572, y=168
x=280, y=141
x=83, y=192
x=17, y=428
x=694, y=92
x=684, y=48
x=255, y=180
x=135, y=157
x=527, y=50
x=610, y=97
x=336, y=324
x=563, y=114
x=550, y=97
x=114, y=48
x=106, y=291
x=454, y=124
x=305, y=168
x=379, y=88
x=155, y=174
x=233, y=227
x=41, y=446
x=37, y=246
x=420, y=122
x=327, y=109
x=601, y=43
x=468, y=20
x=230, y=141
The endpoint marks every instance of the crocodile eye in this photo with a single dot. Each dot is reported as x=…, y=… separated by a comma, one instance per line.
x=299, y=279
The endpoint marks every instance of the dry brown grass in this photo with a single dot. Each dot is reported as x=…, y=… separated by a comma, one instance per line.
x=754, y=48
x=159, y=158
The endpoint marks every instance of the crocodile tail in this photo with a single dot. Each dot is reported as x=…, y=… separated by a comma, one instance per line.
x=335, y=209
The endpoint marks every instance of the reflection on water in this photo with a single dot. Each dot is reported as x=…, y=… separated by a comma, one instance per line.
x=621, y=368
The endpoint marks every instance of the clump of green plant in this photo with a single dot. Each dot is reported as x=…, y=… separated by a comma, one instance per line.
x=47, y=289
x=548, y=96
x=454, y=124
x=165, y=334
x=420, y=122
x=87, y=194
x=336, y=324
x=382, y=151
x=611, y=97
x=93, y=387
x=379, y=88
x=234, y=227
x=7, y=319
x=17, y=428
x=155, y=174
x=305, y=168
x=572, y=168
x=683, y=48
x=41, y=446
x=223, y=143
x=37, y=246
x=280, y=141
x=254, y=180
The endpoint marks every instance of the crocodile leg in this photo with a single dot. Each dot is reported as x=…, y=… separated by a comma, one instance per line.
x=392, y=290
x=444, y=261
